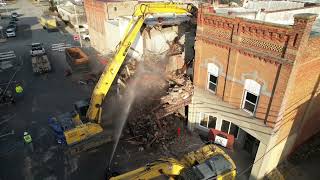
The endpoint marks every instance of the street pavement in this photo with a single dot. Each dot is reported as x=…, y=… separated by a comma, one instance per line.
x=44, y=96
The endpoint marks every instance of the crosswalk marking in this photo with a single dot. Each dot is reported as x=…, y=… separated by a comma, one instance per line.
x=60, y=46
x=6, y=59
x=7, y=55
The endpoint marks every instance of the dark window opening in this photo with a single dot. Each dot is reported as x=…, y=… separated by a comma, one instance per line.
x=212, y=122
x=250, y=102
x=225, y=126
x=213, y=82
x=234, y=129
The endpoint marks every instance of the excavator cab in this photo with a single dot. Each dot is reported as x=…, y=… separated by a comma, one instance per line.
x=217, y=167
x=81, y=108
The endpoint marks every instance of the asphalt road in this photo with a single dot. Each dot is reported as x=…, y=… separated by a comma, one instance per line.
x=44, y=96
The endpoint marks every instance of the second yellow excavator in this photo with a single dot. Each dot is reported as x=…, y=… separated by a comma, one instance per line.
x=81, y=128
x=208, y=162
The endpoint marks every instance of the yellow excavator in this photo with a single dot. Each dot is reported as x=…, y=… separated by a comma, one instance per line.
x=209, y=162
x=81, y=129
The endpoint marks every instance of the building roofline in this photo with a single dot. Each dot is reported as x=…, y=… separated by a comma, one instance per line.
x=259, y=54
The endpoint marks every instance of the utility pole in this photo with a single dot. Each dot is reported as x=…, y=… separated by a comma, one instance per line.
x=77, y=26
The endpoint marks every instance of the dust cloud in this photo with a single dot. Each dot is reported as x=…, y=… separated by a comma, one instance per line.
x=140, y=85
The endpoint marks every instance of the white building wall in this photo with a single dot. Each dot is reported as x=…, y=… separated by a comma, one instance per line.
x=272, y=5
x=115, y=31
x=157, y=42
x=285, y=17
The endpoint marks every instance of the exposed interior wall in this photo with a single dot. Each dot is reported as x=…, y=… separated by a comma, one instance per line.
x=136, y=49
x=113, y=36
x=122, y=8
x=157, y=39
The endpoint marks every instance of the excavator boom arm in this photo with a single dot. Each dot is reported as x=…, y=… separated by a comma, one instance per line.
x=169, y=167
x=141, y=12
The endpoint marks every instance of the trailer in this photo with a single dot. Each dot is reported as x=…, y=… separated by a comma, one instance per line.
x=41, y=64
x=77, y=59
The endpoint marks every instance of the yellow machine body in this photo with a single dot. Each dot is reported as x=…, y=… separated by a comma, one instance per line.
x=173, y=169
x=82, y=132
x=48, y=22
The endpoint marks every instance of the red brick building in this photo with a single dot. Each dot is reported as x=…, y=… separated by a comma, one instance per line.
x=258, y=81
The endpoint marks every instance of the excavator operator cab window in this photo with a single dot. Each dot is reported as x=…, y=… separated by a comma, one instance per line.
x=81, y=107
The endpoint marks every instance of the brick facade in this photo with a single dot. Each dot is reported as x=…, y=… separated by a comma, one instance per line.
x=284, y=60
x=246, y=50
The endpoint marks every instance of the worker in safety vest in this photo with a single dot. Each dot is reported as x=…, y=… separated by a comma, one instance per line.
x=28, y=140
x=19, y=89
x=19, y=92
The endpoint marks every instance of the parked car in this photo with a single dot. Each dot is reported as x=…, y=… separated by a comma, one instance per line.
x=85, y=36
x=37, y=49
x=14, y=19
x=14, y=27
x=14, y=15
x=10, y=32
x=81, y=28
x=13, y=24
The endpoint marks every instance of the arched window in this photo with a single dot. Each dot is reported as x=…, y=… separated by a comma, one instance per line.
x=251, y=95
x=213, y=73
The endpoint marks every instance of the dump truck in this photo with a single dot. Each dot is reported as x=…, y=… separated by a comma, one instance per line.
x=48, y=22
x=40, y=64
x=84, y=123
x=208, y=162
x=39, y=59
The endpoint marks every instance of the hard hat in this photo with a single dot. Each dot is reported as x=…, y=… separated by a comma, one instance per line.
x=25, y=133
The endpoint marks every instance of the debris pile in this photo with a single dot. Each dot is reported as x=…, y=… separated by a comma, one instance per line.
x=178, y=95
x=153, y=121
x=147, y=132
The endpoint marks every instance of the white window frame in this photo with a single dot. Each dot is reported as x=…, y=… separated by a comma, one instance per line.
x=202, y=115
x=230, y=127
x=254, y=88
x=214, y=71
x=245, y=100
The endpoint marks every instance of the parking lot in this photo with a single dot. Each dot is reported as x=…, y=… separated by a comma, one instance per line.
x=44, y=96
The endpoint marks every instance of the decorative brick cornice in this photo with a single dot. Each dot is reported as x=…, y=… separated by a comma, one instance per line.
x=263, y=40
x=243, y=50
